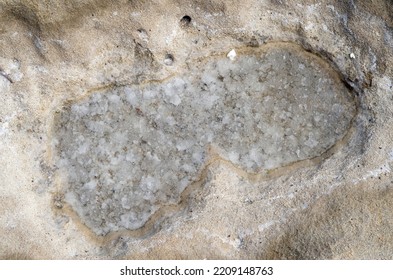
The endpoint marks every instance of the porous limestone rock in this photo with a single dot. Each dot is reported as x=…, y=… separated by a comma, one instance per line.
x=196, y=129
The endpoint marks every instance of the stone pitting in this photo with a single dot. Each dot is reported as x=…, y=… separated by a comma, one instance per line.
x=129, y=150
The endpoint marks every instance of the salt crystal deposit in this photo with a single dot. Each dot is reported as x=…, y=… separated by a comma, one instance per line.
x=128, y=150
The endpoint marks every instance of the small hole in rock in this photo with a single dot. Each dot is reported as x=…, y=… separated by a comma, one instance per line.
x=185, y=21
x=169, y=59
x=143, y=34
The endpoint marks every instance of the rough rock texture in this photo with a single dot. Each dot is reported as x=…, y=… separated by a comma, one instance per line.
x=196, y=129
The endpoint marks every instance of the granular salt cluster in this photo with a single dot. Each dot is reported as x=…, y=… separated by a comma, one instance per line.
x=129, y=150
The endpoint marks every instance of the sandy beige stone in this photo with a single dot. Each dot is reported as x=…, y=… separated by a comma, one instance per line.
x=333, y=206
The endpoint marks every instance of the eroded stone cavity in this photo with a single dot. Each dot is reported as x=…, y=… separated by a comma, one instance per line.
x=129, y=150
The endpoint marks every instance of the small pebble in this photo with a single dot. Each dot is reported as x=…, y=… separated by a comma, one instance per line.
x=232, y=55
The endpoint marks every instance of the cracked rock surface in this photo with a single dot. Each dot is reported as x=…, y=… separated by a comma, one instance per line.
x=196, y=129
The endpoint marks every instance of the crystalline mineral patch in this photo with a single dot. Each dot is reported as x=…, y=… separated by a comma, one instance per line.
x=129, y=150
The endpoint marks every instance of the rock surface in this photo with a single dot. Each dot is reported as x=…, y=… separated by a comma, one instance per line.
x=196, y=129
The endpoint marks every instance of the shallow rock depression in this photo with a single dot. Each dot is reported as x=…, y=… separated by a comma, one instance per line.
x=128, y=150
